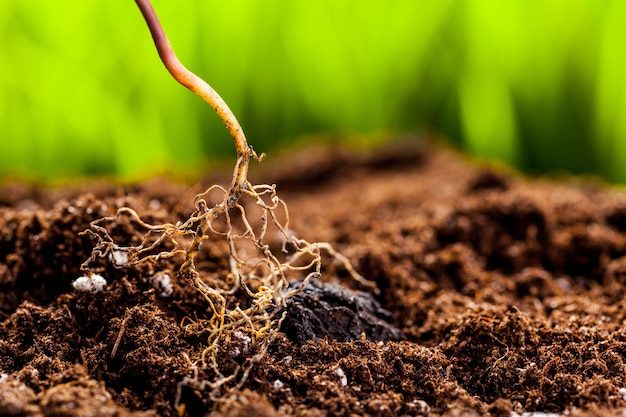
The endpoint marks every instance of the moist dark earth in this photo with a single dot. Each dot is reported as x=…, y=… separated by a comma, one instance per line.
x=496, y=294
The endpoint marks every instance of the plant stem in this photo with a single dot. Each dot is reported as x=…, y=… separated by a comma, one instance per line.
x=204, y=90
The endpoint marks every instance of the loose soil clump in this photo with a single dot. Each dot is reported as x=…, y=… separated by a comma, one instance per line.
x=495, y=295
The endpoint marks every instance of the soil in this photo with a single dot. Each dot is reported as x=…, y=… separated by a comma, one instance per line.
x=497, y=294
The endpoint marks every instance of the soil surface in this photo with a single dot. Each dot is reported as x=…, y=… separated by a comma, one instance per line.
x=496, y=295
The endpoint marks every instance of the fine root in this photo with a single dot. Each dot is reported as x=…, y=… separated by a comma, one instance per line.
x=264, y=255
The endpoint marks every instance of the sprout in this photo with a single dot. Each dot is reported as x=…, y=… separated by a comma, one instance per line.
x=263, y=277
x=190, y=80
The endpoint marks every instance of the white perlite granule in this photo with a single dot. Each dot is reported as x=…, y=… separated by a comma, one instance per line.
x=343, y=379
x=119, y=258
x=162, y=283
x=93, y=284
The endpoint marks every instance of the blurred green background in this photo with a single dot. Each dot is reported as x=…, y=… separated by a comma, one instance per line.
x=540, y=84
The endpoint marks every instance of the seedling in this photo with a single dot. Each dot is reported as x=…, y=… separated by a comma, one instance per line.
x=238, y=333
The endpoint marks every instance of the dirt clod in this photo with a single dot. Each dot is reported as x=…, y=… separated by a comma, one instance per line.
x=323, y=310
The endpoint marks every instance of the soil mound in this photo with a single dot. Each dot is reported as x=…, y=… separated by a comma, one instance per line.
x=495, y=295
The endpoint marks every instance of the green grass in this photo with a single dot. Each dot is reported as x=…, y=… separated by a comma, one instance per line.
x=538, y=84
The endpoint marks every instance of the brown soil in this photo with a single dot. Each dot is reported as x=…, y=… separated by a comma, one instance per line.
x=499, y=295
